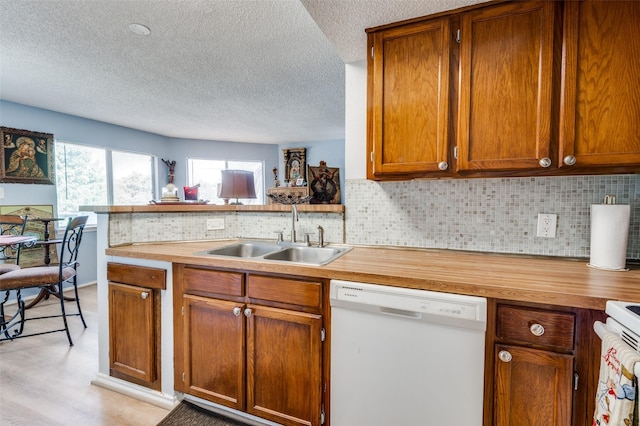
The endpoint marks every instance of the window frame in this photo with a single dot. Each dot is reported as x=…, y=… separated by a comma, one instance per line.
x=260, y=189
x=108, y=157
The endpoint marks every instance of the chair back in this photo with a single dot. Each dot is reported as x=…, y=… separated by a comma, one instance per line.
x=11, y=224
x=70, y=246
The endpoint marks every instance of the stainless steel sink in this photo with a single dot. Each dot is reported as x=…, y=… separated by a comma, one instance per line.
x=260, y=250
x=312, y=255
x=244, y=249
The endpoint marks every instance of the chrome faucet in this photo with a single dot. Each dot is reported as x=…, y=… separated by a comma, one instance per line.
x=320, y=236
x=294, y=219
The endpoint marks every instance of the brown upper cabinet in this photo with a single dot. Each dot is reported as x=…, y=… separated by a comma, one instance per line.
x=600, y=116
x=504, y=101
x=409, y=99
x=506, y=89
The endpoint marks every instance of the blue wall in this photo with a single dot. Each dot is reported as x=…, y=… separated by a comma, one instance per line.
x=74, y=129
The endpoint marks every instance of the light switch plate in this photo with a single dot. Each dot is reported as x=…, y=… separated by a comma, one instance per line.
x=547, y=223
x=215, y=224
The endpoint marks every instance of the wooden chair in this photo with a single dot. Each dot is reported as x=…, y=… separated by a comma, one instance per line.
x=51, y=277
x=10, y=255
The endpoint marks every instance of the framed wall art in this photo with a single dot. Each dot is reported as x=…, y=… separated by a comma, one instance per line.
x=324, y=184
x=295, y=163
x=26, y=157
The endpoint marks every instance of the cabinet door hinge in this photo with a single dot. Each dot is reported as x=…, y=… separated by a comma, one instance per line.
x=458, y=35
x=372, y=52
x=183, y=311
x=322, y=335
x=455, y=152
x=575, y=381
x=184, y=377
x=372, y=156
x=322, y=415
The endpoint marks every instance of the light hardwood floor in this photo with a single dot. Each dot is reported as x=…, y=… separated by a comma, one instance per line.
x=44, y=381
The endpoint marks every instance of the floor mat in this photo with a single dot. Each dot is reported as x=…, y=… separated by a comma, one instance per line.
x=188, y=414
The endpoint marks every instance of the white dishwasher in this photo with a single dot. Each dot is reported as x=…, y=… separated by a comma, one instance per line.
x=405, y=357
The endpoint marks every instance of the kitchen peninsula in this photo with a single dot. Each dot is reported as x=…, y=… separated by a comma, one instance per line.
x=556, y=288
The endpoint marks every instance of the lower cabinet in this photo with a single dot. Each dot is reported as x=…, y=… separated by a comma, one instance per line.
x=251, y=342
x=134, y=323
x=532, y=387
x=542, y=366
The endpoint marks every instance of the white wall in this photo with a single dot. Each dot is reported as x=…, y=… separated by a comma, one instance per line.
x=356, y=120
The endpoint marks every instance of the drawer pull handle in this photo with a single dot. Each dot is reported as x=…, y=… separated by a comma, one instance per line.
x=247, y=312
x=144, y=294
x=237, y=311
x=536, y=329
x=505, y=356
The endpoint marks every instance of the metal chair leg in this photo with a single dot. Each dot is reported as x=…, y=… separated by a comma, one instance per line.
x=64, y=314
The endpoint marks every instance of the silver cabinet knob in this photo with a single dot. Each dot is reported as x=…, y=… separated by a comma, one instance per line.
x=569, y=160
x=536, y=329
x=237, y=311
x=545, y=162
x=247, y=312
x=443, y=165
x=505, y=356
x=144, y=294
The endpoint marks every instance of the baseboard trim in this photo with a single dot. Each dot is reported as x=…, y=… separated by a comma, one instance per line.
x=141, y=393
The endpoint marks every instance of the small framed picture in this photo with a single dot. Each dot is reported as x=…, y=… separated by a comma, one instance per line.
x=299, y=182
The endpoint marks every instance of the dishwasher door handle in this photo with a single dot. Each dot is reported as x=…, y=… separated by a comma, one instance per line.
x=400, y=313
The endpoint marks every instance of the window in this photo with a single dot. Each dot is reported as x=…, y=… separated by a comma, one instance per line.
x=89, y=176
x=207, y=174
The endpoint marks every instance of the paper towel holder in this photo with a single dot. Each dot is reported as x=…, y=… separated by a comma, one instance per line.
x=609, y=200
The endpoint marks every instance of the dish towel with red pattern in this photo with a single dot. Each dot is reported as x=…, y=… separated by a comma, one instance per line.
x=617, y=386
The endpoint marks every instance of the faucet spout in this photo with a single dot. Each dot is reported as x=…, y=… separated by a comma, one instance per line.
x=294, y=219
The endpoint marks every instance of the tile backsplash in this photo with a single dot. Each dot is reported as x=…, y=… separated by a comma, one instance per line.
x=126, y=228
x=489, y=215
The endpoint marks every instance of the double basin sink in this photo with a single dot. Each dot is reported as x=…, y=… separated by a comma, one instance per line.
x=261, y=250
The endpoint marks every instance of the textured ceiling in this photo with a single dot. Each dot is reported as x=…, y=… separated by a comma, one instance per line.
x=265, y=71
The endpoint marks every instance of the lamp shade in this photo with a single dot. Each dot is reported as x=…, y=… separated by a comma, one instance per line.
x=237, y=184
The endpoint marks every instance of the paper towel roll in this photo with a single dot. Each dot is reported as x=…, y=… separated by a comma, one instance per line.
x=609, y=234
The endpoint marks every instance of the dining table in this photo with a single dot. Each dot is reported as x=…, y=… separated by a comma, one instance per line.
x=15, y=240
x=46, y=241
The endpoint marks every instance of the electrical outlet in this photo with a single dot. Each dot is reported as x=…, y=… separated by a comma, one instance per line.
x=547, y=223
x=215, y=224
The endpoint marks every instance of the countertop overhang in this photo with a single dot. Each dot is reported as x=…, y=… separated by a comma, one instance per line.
x=211, y=208
x=561, y=282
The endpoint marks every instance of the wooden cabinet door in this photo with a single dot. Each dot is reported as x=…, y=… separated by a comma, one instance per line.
x=600, y=107
x=132, y=332
x=213, y=342
x=409, y=99
x=505, y=103
x=532, y=387
x=284, y=365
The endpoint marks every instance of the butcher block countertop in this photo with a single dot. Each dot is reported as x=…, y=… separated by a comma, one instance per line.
x=511, y=277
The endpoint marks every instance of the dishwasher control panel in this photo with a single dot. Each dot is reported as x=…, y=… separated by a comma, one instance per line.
x=410, y=303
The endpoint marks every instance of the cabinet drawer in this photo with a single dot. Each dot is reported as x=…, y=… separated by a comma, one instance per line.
x=285, y=290
x=142, y=276
x=213, y=281
x=555, y=329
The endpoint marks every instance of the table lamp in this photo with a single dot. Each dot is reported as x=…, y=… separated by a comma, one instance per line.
x=237, y=184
